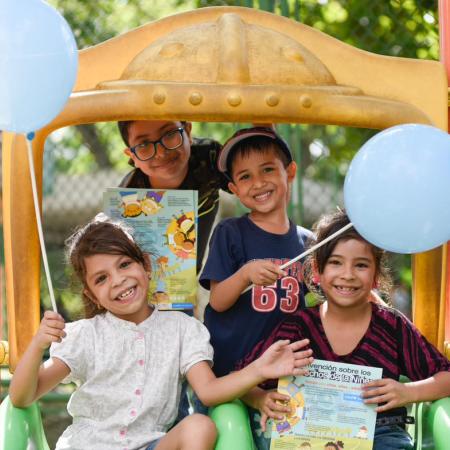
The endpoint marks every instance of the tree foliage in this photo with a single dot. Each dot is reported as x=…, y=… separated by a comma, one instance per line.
x=99, y=146
x=406, y=28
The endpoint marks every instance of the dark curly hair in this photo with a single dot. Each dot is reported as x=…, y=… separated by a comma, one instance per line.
x=100, y=236
x=328, y=225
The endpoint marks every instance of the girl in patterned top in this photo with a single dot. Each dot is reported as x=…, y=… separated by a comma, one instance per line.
x=348, y=328
x=128, y=359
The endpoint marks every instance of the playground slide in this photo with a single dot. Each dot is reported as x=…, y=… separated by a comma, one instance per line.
x=22, y=429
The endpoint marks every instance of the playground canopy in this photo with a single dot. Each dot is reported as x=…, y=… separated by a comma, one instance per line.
x=226, y=64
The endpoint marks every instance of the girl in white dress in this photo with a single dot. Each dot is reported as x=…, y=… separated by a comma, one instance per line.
x=128, y=359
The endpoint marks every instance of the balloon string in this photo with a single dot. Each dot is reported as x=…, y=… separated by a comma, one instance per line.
x=39, y=221
x=310, y=250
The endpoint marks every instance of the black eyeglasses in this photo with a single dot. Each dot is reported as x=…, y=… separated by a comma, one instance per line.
x=169, y=141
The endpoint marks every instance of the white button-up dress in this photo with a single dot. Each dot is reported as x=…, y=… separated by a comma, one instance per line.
x=128, y=377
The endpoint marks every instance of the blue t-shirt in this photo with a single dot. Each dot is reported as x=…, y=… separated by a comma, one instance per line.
x=235, y=332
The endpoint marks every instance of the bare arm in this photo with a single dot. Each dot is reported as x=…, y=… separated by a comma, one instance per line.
x=32, y=379
x=399, y=394
x=224, y=294
x=433, y=388
x=279, y=360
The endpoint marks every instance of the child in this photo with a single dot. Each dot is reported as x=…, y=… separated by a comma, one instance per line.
x=348, y=328
x=166, y=156
x=250, y=249
x=128, y=359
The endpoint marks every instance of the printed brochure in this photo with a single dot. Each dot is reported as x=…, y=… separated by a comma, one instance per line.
x=165, y=225
x=326, y=407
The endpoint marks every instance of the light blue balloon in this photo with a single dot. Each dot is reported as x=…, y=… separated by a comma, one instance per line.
x=397, y=189
x=38, y=61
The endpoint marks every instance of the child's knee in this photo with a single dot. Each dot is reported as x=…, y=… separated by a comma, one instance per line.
x=205, y=428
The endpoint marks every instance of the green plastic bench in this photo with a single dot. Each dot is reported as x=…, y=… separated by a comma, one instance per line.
x=21, y=428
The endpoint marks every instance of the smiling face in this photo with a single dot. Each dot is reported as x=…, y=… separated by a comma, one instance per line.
x=168, y=168
x=349, y=274
x=119, y=284
x=261, y=181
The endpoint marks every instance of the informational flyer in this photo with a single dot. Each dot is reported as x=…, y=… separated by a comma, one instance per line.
x=327, y=408
x=165, y=226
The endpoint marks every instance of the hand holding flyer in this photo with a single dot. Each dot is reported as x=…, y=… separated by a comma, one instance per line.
x=272, y=405
x=390, y=392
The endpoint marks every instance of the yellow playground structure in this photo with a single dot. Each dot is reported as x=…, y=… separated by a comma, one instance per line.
x=232, y=64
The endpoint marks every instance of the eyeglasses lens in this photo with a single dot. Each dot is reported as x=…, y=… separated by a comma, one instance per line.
x=172, y=140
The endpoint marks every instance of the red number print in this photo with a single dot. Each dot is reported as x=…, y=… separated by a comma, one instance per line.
x=289, y=304
x=264, y=298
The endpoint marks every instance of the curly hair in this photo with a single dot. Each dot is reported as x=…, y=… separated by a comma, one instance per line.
x=100, y=236
x=315, y=263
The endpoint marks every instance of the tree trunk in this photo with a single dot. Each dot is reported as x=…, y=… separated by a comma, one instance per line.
x=93, y=142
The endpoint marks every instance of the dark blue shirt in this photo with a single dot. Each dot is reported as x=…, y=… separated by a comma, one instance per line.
x=235, y=332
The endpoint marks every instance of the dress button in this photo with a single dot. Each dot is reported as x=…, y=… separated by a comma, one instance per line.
x=123, y=432
x=133, y=413
x=138, y=392
x=140, y=335
x=141, y=362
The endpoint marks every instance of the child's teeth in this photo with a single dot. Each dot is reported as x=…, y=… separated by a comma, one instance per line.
x=125, y=294
x=262, y=196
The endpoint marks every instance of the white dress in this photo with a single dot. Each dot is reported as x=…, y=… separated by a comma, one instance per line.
x=128, y=376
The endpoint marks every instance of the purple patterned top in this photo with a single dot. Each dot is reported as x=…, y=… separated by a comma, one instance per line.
x=391, y=342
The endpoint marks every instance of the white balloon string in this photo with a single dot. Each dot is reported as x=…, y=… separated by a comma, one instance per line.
x=310, y=250
x=39, y=223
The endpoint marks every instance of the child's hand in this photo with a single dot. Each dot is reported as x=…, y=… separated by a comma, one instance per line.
x=391, y=392
x=282, y=359
x=50, y=330
x=262, y=272
x=272, y=405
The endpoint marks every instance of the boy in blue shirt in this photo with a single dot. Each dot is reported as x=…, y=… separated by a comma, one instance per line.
x=250, y=249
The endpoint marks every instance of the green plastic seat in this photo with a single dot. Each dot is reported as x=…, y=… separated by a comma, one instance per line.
x=21, y=428
x=233, y=426
x=432, y=429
